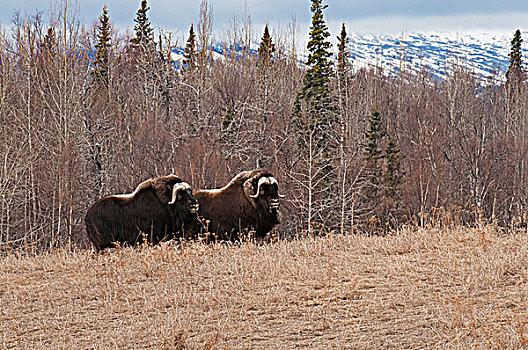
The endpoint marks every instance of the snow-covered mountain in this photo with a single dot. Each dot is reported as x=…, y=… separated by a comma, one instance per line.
x=219, y=51
x=484, y=54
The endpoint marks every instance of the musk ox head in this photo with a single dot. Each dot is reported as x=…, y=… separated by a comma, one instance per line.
x=262, y=191
x=183, y=208
x=183, y=200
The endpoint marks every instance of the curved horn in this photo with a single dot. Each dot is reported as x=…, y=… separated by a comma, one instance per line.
x=262, y=180
x=273, y=181
x=176, y=188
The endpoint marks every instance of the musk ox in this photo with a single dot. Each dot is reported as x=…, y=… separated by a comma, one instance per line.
x=158, y=209
x=249, y=202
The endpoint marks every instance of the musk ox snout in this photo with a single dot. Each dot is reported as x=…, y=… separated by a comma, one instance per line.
x=274, y=204
x=193, y=208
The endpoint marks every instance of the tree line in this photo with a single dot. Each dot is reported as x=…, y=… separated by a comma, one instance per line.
x=87, y=111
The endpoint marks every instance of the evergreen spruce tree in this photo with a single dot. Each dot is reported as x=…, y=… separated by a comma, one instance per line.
x=315, y=91
x=316, y=80
x=342, y=73
x=313, y=118
x=265, y=80
x=266, y=49
x=371, y=150
x=372, y=178
x=49, y=44
x=189, y=56
x=515, y=76
x=342, y=54
x=382, y=175
x=392, y=179
x=516, y=70
x=144, y=32
x=100, y=70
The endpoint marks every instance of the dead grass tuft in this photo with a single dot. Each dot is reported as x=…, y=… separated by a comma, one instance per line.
x=437, y=288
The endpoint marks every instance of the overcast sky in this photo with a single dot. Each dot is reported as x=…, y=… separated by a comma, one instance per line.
x=374, y=16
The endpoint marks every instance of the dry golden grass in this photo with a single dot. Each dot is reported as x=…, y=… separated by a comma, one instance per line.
x=445, y=289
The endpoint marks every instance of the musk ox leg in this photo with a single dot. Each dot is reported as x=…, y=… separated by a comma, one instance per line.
x=100, y=249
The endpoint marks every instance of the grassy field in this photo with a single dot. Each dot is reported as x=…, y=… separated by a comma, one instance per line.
x=444, y=289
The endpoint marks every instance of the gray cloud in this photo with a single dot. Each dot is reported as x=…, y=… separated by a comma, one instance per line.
x=416, y=8
x=364, y=16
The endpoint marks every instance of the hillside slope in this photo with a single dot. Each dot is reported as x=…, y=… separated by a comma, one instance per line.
x=457, y=289
x=485, y=54
x=482, y=53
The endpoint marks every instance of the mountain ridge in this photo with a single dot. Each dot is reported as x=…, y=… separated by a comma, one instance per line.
x=482, y=53
x=485, y=54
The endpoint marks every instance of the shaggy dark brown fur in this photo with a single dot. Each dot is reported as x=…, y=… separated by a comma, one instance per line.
x=237, y=207
x=146, y=211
